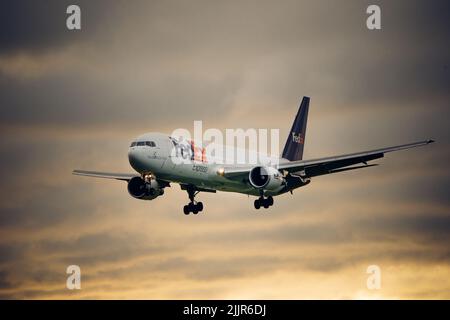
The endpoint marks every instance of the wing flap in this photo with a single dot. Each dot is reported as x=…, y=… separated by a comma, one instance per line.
x=329, y=167
x=319, y=173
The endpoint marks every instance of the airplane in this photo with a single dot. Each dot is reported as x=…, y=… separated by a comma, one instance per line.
x=153, y=155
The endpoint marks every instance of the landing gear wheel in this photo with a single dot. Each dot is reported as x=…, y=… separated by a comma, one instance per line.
x=263, y=202
x=193, y=206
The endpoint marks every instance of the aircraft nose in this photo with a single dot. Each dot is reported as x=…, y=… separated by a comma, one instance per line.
x=136, y=160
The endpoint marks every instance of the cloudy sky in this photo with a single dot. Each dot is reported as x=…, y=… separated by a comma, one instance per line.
x=75, y=99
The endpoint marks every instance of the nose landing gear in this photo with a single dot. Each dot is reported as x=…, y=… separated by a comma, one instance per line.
x=263, y=202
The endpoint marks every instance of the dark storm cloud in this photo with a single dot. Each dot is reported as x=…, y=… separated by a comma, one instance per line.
x=36, y=207
x=384, y=67
x=429, y=187
x=20, y=266
x=427, y=227
x=4, y=280
x=79, y=101
x=206, y=270
x=382, y=226
x=237, y=266
x=22, y=263
x=11, y=252
x=147, y=66
x=407, y=59
x=28, y=26
x=99, y=248
x=397, y=79
x=402, y=255
x=209, y=269
x=39, y=196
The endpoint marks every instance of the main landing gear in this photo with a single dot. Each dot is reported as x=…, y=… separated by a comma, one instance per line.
x=193, y=206
x=263, y=202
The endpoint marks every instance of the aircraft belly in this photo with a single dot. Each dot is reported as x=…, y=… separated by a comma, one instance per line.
x=205, y=176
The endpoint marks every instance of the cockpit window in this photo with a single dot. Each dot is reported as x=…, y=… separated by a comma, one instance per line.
x=143, y=143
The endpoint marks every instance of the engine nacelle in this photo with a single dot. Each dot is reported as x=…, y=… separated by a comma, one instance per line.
x=266, y=178
x=140, y=189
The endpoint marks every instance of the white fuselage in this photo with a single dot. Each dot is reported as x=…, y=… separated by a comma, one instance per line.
x=157, y=153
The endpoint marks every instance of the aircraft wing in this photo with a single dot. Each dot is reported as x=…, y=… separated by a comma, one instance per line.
x=321, y=166
x=105, y=175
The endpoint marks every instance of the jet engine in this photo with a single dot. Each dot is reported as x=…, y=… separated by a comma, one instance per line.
x=144, y=190
x=266, y=178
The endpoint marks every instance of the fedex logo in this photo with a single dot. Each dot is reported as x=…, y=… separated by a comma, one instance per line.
x=297, y=138
x=188, y=150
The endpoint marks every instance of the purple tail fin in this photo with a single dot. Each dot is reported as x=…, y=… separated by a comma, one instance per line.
x=293, y=149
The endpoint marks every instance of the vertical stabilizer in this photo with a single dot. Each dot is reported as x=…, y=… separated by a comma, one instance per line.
x=293, y=149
